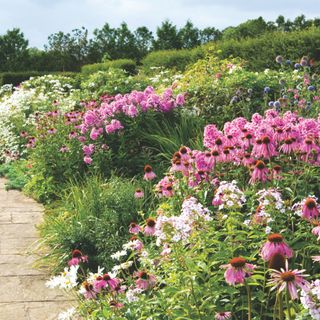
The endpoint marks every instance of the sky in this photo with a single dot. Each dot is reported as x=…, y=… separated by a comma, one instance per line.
x=40, y=18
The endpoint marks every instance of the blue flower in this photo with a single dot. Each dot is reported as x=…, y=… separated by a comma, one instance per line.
x=266, y=90
x=311, y=88
x=277, y=104
x=297, y=65
x=271, y=104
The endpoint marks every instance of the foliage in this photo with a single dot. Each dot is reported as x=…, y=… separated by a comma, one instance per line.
x=124, y=64
x=15, y=78
x=110, y=82
x=171, y=59
x=260, y=52
x=90, y=217
x=17, y=174
x=13, y=51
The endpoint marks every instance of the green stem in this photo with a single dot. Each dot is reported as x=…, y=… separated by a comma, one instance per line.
x=281, y=313
x=288, y=304
x=275, y=309
x=249, y=302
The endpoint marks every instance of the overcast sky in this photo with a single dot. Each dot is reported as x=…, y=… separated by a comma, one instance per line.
x=40, y=18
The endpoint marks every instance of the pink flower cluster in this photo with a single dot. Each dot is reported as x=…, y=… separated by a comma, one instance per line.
x=244, y=142
x=100, y=120
x=252, y=144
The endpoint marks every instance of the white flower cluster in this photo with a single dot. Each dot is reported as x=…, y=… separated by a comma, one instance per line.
x=67, y=315
x=271, y=197
x=132, y=294
x=311, y=300
x=179, y=228
x=228, y=195
x=17, y=107
x=66, y=280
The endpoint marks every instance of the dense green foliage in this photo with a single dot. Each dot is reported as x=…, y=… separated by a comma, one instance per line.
x=259, y=52
x=15, y=78
x=171, y=59
x=124, y=64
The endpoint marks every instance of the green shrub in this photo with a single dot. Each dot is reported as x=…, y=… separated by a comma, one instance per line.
x=93, y=216
x=17, y=174
x=124, y=64
x=171, y=59
x=260, y=52
x=111, y=81
x=15, y=78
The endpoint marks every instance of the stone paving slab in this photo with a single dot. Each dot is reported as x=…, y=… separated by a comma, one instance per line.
x=23, y=294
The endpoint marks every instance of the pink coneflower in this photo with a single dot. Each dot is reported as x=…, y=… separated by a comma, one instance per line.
x=137, y=244
x=139, y=194
x=275, y=245
x=264, y=148
x=105, y=281
x=316, y=231
x=52, y=131
x=134, y=228
x=223, y=315
x=150, y=227
x=77, y=257
x=148, y=173
x=145, y=280
x=64, y=149
x=277, y=262
x=276, y=172
x=23, y=134
x=310, y=209
x=87, y=160
x=289, y=279
x=116, y=304
x=88, y=290
x=260, y=172
x=237, y=270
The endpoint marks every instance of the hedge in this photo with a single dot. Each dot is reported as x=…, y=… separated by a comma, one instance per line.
x=125, y=64
x=260, y=52
x=15, y=78
x=171, y=59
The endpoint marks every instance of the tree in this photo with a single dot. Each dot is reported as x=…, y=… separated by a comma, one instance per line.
x=189, y=36
x=13, y=51
x=125, y=46
x=167, y=37
x=249, y=29
x=70, y=50
x=143, y=40
x=210, y=34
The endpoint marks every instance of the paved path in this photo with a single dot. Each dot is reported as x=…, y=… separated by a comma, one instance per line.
x=23, y=294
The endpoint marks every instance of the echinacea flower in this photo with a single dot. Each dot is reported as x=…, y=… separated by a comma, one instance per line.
x=87, y=290
x=139, y=194
x=145, y=280
x=260, y=172
x=105, y=281
x=116, y=304
x=223, y=315
x=290, y=280
x=150, y=227
x=316, y=258
x=310, y=209
x=275, y=245
x=134, y=228
x=148, y=173
x=77, y=257
x=277, y=262
x=237, y=270
x=316, y=231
